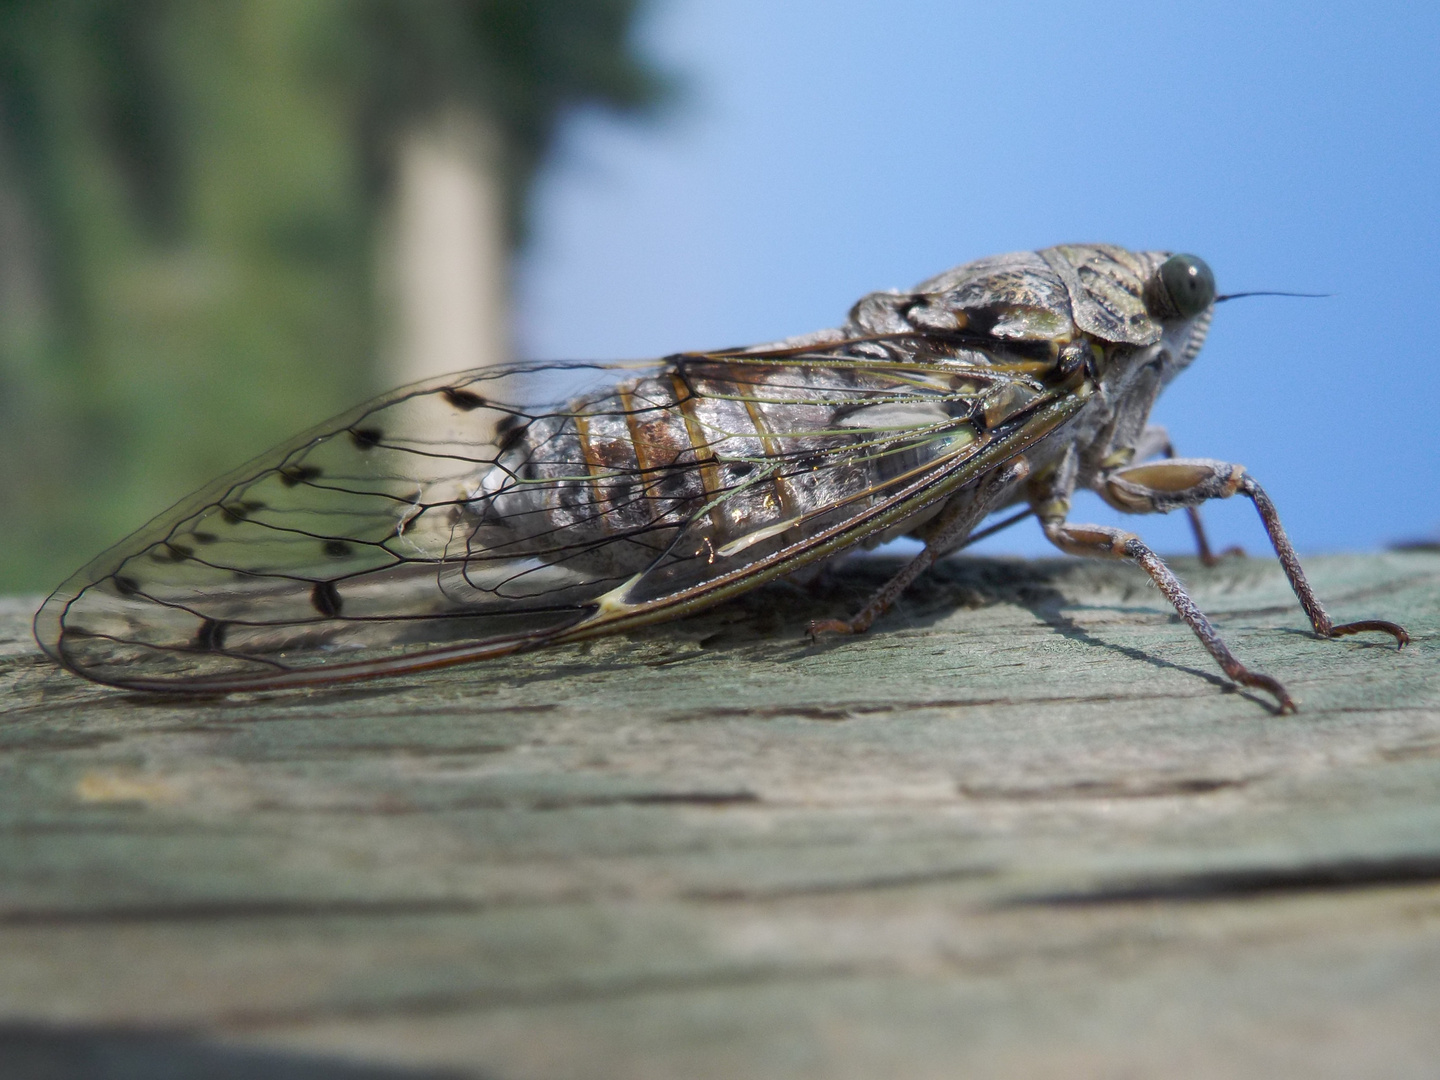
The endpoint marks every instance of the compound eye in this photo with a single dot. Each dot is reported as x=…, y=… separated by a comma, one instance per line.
x=1189, y=282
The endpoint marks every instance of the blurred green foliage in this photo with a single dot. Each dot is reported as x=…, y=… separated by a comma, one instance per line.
x=189, y=199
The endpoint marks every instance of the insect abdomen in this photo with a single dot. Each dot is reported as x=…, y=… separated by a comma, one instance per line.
x=606, y=484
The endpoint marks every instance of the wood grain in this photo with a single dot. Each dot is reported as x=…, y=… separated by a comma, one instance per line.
x=1021, y=829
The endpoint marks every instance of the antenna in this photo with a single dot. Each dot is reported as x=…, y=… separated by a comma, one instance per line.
x=1238, y=295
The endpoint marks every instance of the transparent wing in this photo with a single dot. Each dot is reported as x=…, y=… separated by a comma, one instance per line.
x=443, y=522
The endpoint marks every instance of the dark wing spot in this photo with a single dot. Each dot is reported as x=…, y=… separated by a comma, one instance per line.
x=171, y=552
x=464, y=400
x=366, y=438
x=211, y=636
x=298, y=474
x=203, y=537
x=336, y=549
x=125, y=586
x=510, y=434
x=235, y=512
x=325, y=599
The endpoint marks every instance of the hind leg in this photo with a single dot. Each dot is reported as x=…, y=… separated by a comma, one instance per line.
x=943, y=535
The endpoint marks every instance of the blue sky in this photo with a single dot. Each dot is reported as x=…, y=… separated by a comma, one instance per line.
x=826, y=149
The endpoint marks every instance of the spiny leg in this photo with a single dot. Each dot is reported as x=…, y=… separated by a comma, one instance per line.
x=1166, y=485
x=1104, y=542
x=946, y=533
x=1319, y=619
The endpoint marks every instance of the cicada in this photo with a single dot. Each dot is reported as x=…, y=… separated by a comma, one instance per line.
x=448, y=521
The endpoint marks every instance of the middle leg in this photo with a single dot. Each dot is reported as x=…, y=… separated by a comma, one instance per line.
x=1104, y=542
x=1172, y=484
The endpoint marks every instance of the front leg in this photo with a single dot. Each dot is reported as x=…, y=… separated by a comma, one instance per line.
x=1167, y=485
x=1154, y=442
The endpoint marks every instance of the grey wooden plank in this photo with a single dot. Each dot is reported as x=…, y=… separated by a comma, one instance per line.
x=1022, y=828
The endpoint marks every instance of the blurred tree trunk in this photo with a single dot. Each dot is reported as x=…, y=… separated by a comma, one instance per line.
x=192, y=199
x=446, y=253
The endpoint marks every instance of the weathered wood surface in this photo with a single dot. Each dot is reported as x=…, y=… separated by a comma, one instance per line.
x=1023, y=829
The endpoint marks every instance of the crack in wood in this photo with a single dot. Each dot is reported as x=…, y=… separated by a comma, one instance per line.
x=240, y=910
x=1247, y=882
x=842, y=885
x=29, y=1051
x=1119, y=788
x=399, y=805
